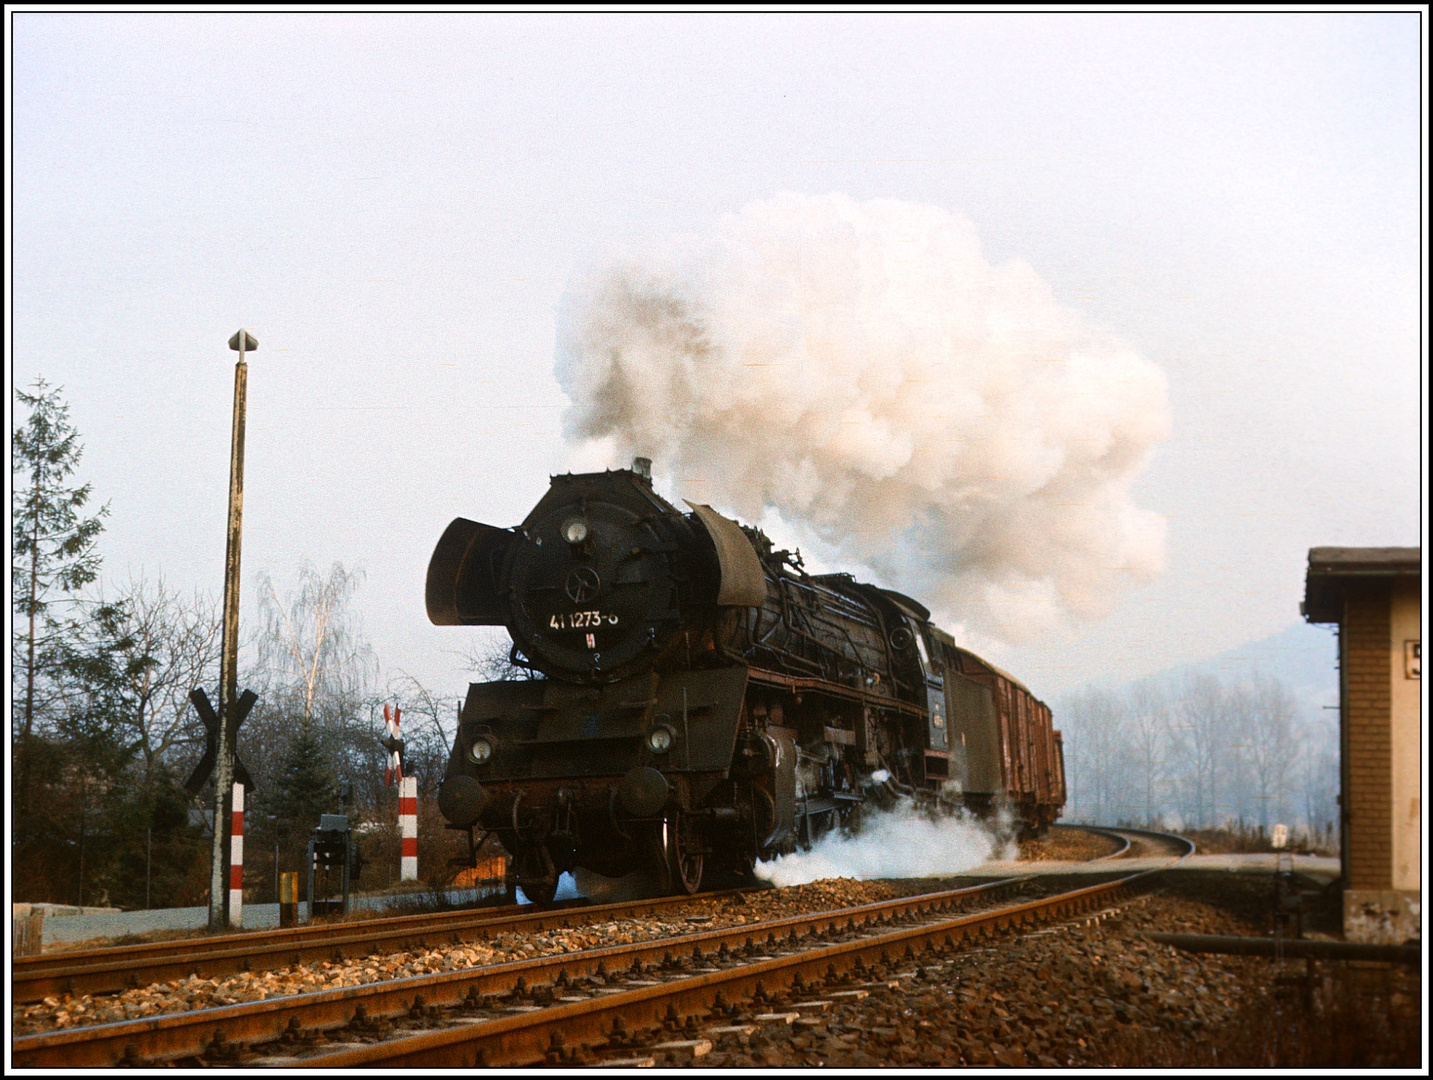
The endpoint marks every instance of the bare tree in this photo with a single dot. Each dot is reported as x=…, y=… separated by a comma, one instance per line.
x=309, y=736
x=490, y=659
x=1269, y=737
x=435, y=713
x=175, y=647
x=428, y=720
x=1201, y=713
x=310, y=646
x=1093, y=719
x=1148, y=731
x=1199, y=747
x=1318, y=772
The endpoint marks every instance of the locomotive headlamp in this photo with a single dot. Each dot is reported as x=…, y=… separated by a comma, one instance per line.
x=481, y=752
x=660, y=739
x=574, y=531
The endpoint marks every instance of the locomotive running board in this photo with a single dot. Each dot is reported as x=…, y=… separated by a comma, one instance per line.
x=798, y=684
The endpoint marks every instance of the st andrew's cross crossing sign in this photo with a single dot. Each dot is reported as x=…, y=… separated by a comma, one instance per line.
x=211, y=749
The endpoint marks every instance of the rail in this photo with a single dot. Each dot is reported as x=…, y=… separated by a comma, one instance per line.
x=690, y=963
x=527, y=1038
x=189, y=1034
x=117, y=968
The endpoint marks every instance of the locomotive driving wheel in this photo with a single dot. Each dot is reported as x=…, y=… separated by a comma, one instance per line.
x=536, y=875
x=851, y=817
x=684, y=856
x=540, y=893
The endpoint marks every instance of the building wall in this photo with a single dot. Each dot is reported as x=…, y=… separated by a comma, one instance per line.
x=1406, y=747
x=1382, y=764
x=1367, y=761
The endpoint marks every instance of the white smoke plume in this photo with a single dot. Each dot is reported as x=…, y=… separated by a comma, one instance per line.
x=896, y=843
x=862, y=371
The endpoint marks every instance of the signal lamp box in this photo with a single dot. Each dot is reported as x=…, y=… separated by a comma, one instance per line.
x=330, y=854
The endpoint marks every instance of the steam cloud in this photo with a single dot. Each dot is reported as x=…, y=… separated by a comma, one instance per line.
x=861, y=370
x=892, y=844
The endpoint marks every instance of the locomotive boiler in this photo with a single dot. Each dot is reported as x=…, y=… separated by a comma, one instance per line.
x=696, y=701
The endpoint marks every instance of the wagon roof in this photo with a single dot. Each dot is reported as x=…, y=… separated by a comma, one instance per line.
x=999, y=671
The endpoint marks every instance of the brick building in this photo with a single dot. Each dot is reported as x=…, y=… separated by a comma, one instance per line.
x=1375, y=597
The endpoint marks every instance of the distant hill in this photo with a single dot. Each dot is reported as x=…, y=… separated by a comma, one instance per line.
x=1303, y=657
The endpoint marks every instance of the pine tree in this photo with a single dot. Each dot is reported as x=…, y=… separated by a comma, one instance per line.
x=53, y=556
x=306, y=787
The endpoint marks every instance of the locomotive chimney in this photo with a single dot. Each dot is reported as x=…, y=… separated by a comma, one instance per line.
x=642, y=466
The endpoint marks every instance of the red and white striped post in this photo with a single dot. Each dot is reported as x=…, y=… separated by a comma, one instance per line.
x=408, y=826
x=407, y=795
x=236, y=861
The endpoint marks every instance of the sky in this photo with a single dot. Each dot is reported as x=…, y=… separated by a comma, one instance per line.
x=397, y=205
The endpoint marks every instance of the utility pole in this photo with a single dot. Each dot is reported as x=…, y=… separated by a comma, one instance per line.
x=241, y=342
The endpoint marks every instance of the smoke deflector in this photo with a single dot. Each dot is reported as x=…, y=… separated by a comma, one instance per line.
x=743, y=582
x=461, y=589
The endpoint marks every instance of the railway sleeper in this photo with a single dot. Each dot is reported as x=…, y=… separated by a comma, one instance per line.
x=466, y=994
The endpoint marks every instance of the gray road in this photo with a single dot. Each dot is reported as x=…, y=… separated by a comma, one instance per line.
x=256, y=917
x=264, y=916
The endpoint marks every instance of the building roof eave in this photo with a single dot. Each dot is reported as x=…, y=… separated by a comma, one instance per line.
x=1331, y=569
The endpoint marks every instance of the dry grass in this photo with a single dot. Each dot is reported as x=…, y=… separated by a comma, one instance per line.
x=1066, y=843
x=1249, y=840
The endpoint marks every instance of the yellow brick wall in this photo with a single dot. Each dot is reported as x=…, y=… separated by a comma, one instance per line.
x=1368, y=767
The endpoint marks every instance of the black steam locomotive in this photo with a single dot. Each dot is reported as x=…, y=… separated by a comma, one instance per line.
x=696, y=701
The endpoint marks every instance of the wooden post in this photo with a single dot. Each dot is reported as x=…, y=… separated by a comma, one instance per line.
x=27, y=929
x=242, y=342
x=289, y=898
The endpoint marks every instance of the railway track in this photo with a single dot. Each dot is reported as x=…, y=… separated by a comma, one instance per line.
x=1144, y=843
x=547, y=1008
x=116, y=968
x=1126, y=844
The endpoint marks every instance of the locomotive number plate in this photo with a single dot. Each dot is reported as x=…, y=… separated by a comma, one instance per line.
x=581, y=620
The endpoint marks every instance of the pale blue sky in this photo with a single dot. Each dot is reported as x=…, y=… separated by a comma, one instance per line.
x=394, y=204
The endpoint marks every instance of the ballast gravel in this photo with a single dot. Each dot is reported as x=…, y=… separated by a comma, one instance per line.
x=1099, y=994
x=1051, y=999
x=183, y=995
x=1090, y=993
x=1067, y=845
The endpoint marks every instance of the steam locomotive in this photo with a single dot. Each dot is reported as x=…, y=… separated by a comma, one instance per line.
x=695, y=701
